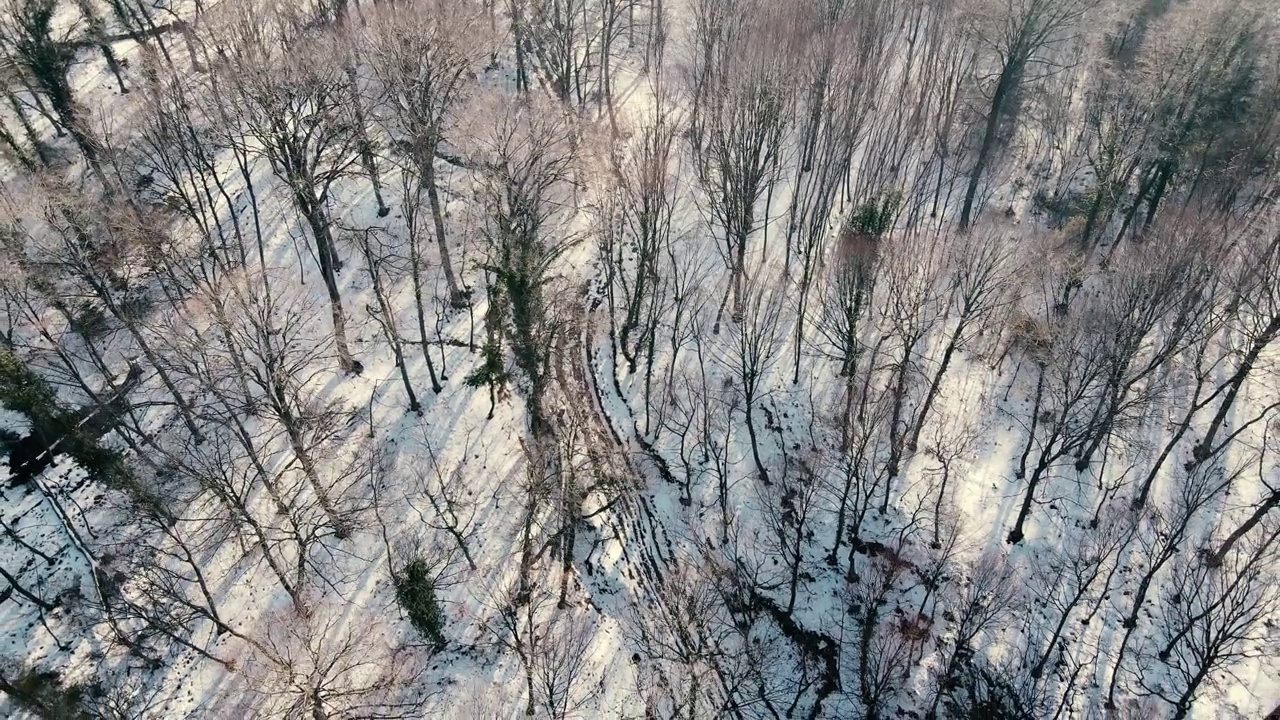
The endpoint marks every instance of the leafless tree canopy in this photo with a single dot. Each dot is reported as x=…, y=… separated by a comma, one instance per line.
x=639, y=358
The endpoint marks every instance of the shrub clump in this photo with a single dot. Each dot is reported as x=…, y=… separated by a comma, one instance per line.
x=23, y=391
x=44, y=694
x=875, y=217
x=416, y=594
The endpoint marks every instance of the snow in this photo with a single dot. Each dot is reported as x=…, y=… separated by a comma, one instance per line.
x=624, y=552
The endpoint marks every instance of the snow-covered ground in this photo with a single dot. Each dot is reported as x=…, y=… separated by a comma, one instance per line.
x=633, y=560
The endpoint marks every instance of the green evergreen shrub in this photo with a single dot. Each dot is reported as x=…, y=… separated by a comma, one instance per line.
x=416, y=594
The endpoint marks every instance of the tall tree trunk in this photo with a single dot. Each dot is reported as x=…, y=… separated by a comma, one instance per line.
x=755, y=445
x=895, y=420
x=913, y=440
x=1016, y=534
x=1003, y=88
x=1266, y=506
x=456, y=297
x=24, y=592
x=415, y=271
x=327, y=257
x=522, y=62
x=1141, y=498
x=293, y=431
x=19, y=153
x=1201, y=451
x=28, y=129
x=365, y=145
x=388, y=323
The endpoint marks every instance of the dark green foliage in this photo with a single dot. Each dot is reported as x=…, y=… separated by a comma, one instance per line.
x=22, y=390
x=47, y=56
x=416, y=594
x=89, y=321
x=492, y=370
x=975, y=692
x=44, y=695
x=521, y=279
x=1061, y=208
x=875, y=216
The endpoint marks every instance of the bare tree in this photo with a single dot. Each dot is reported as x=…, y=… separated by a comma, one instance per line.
x=849, y=338
x=684, y=639
x=561, y=663
x=883, y=648
x=518, y=628
x=908, y=312
x=1021, y=43
x=172, y=586
x=349, y=49
x=1073, y=356
x=1203, y=61
x=790, y=509
x=1149, y=310
x=270, y=336
x=560, y=41
x=321, y=667
x=1254, y=324
x=96, y=32
x=1118, y=131
x=1159, y=541
x=232, y=472
x=377, y=255
x=35, y=155
x=1064, y=582
x=846, y=299
x=932, y=110
x=423, y=56
x=453, y=511
x=843, y=72
x=745, y=114
x=177, y=153
x=45, y=53
x=91, y=251
x=649, y=195
x=48, y=326
x=616, y=17
x=1212, y=619
x=1261, y=510
x=297, y=107
x=982, y=600
x=751, y=354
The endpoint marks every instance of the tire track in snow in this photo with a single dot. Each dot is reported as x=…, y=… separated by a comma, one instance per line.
x=643, y=541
